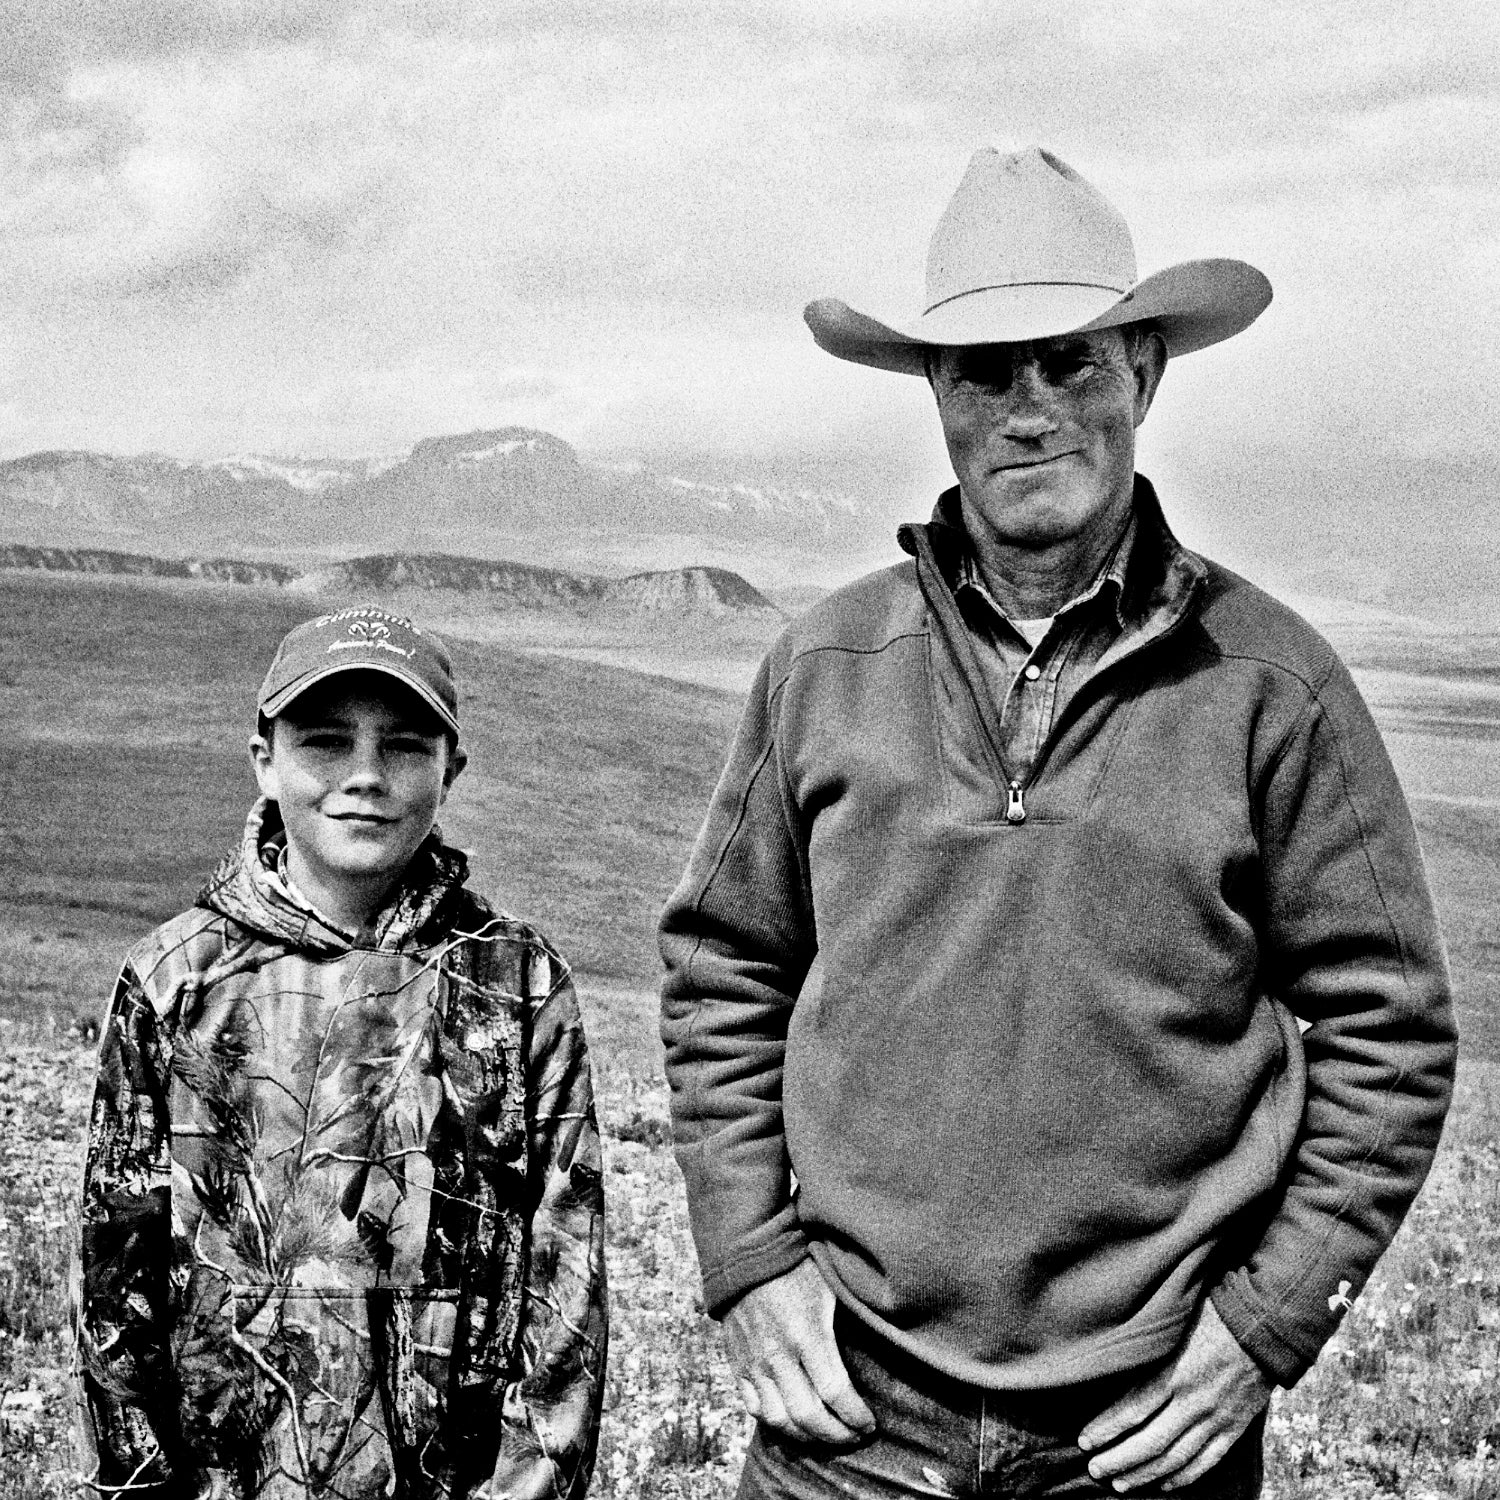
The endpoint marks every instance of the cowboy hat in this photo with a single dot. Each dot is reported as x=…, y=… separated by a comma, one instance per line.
x=1027, y=249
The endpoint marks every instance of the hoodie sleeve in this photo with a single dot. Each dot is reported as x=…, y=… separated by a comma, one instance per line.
x=550, y=1416
x=1351, y=945
x=120, y=1289
x=738, y=938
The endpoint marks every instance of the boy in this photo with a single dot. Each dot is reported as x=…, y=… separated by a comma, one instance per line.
x=342, y=1207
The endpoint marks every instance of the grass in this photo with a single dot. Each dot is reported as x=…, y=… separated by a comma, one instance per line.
x=124, y=708
x=671, y=1425
x=1406, y=1399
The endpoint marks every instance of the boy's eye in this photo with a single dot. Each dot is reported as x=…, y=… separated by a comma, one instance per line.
x=324, y=739
x=410, y=744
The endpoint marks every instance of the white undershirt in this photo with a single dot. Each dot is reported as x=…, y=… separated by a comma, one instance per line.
x=1034, y=630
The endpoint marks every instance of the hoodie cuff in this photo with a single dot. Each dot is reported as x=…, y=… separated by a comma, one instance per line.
x=1281, y=1361
x=723, y=1286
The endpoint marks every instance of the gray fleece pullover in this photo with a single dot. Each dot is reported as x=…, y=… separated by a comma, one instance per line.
x=1028, y=1090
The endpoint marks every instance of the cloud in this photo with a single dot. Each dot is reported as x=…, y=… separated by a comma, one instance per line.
x=91, y=31
x=224, y=234
x=337, y=227
x=188, y=178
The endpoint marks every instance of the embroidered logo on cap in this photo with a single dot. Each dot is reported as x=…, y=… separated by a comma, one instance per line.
x=368, y=634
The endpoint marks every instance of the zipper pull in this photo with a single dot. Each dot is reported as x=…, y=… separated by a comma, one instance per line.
x=1015, y=803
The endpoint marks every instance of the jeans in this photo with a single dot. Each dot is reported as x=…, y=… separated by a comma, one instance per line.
x=940, y=1438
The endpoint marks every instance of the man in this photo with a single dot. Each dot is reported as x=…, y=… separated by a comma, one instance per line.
x=1011, y=1170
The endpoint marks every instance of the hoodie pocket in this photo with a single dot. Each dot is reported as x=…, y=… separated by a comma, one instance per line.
x=341, y=1387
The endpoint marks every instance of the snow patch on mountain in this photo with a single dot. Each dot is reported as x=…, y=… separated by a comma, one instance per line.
x=312, y=476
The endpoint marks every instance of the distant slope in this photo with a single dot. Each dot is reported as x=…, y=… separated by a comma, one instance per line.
x=681, y=591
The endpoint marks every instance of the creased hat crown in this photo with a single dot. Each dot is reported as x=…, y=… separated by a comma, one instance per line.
x=1027, y=219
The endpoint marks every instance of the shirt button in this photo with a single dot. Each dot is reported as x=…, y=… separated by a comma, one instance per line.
x=1032, y=672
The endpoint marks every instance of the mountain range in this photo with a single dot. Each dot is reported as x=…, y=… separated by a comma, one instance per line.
x=509, y=492
x=1403, y=534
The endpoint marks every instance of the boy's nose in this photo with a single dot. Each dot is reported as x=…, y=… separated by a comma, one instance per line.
x=366, y=770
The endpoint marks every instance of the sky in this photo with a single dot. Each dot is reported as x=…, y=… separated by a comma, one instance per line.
x=330, y=227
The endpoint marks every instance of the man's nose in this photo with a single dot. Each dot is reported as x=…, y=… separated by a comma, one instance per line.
x=1027, y=408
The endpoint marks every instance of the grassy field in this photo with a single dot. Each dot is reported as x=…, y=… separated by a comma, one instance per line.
x=123, y=712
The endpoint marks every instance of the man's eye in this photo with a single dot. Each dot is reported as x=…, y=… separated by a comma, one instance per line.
x=410, y=745
x=324, y=740
x=1065, y=367
x=993, y=376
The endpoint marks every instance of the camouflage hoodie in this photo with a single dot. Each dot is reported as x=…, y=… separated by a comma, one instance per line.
x=342, y=1209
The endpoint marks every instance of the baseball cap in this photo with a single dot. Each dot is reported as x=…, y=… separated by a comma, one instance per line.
x=363, y=640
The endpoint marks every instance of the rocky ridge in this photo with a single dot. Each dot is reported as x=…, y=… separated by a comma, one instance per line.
x=676, y=591
x=102, y=560
x=699, y=590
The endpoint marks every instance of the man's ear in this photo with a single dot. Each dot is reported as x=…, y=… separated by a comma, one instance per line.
x=1150, y=364
x=263, y=763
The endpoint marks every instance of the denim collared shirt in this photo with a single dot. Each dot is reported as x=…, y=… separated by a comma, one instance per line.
x=1032, y=686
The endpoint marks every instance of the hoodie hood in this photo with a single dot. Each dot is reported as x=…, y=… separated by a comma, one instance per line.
x=246, y=888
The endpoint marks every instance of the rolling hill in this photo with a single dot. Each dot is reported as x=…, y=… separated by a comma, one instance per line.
x=125, y=706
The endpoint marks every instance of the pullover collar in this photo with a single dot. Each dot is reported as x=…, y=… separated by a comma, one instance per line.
x=1159, y=586
x=248, y=888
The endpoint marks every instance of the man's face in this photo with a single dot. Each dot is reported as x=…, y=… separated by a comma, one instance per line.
x=1042, y=434
x=359, y=769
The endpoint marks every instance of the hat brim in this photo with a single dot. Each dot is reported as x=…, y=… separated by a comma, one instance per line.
x=279, y=701
x=1192, y=305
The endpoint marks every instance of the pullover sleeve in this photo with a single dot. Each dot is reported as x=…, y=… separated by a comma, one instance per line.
x=1351, y=945
x=738, y=938
x=550, y=1416
x=127, y=1394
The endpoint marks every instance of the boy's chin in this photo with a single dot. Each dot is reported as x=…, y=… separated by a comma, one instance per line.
x=370, y=868
x=364, y=863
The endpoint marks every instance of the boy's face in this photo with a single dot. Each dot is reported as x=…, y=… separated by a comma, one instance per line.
x=359, y=767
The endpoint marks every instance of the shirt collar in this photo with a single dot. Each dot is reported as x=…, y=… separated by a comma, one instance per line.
x=1108, y=581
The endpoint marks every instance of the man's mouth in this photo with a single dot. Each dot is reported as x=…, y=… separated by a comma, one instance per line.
x=1026, y=465
x=371, y=820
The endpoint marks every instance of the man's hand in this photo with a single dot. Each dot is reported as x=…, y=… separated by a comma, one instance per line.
x=780, y=1345
x=1174, y=1427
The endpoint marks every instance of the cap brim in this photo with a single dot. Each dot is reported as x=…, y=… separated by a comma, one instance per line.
x=1192, y=305
x=278, y=702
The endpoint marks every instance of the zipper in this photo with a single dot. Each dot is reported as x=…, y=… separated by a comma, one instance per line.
x=1015, y=803
x=944, y=611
